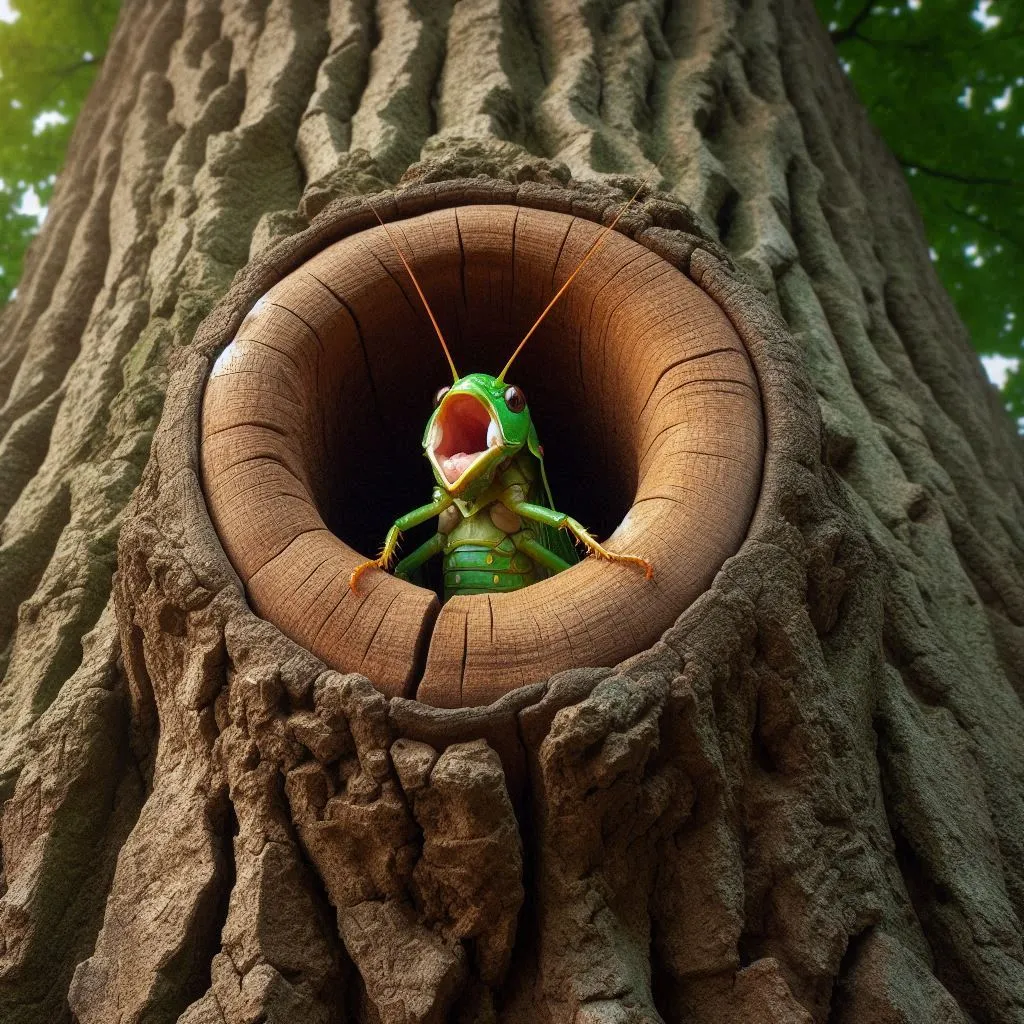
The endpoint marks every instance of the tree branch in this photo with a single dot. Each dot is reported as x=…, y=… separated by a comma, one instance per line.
x=985, y=226
x=930, y=44
x=840, y=35
x=962, y=179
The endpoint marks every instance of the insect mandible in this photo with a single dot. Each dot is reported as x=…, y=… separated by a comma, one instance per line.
x=497, y=526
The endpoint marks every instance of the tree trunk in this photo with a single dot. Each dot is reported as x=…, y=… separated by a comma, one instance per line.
x=805, y=801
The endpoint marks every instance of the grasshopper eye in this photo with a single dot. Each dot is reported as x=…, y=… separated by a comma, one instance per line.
x=441, y=392
x=515, y=399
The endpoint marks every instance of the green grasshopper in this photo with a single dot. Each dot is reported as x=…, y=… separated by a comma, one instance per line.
x=497, y=526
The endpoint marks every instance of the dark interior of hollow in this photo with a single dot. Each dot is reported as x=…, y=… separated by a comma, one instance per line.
x=376, y=469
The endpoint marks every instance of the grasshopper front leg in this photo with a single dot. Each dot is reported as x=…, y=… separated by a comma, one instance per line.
x=560, y=521
x=407, y=522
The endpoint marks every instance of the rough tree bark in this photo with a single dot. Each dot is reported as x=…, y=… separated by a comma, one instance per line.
x=805, y=802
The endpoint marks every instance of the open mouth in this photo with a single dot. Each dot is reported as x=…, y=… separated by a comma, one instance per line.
x=465, y=433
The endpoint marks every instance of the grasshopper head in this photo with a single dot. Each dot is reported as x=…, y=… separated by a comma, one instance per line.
x=478, y=423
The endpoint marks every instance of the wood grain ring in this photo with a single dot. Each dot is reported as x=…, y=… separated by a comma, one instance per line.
x=642, y=392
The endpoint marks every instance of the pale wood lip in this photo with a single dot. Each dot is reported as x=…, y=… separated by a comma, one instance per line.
x=649, y=358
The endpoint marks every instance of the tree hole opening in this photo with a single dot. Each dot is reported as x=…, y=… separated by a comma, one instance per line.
x=641, y=392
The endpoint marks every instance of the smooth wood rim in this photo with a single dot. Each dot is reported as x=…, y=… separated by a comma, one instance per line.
x=659, y=403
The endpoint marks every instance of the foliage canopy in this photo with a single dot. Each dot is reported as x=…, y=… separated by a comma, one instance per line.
x=49, y=53
x=943, y=81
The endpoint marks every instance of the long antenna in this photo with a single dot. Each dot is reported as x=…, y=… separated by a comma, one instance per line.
x=419, y=290
x=579, y=267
